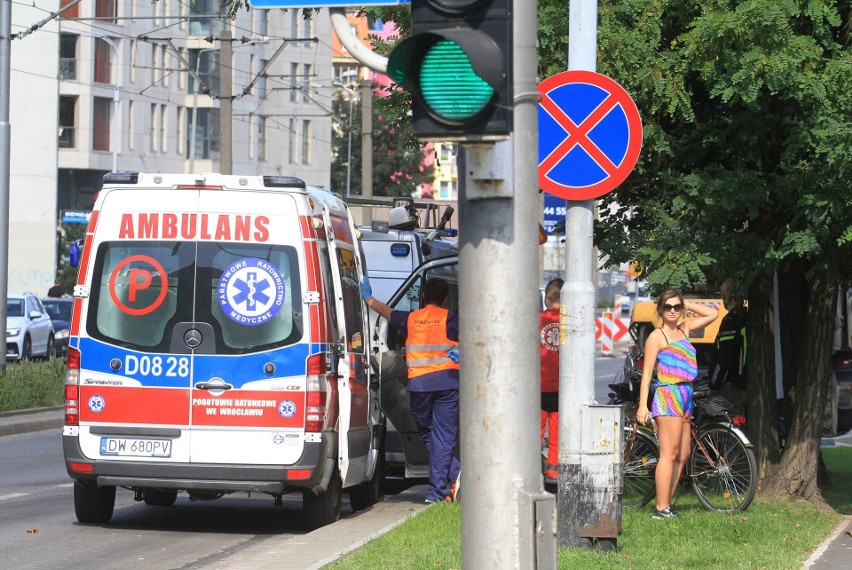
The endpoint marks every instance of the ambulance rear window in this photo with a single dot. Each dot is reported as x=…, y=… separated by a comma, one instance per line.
x=248, y=293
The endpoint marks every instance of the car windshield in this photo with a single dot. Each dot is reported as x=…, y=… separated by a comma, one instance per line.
x=15, y=307
x=58, y=310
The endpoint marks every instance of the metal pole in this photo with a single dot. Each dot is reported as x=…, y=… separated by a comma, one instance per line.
x=226, y=105
x=349, y=147
x=5, y=150
x=367, y=149
x=116, y=97
x=507, y=517
x=577, y=355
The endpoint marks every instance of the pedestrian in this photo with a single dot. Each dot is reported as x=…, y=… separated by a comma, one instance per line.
x=432, y=356
x=57, y=290
x=549, y=343
x=669, y=351
x=728, y=368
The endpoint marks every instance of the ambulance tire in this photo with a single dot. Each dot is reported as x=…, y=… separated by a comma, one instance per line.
x=368, y=494
x=321, y=509
x=159, y=497
x=93, y=504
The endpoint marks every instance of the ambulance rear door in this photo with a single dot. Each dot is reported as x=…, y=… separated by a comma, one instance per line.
x=352, y=362
x=249, y=366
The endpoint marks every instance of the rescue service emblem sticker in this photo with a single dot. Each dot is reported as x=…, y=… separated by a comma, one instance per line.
x=251, y=291
x=287, y=409
x=97, y=403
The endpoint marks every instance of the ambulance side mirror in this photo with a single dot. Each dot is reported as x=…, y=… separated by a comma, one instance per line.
x=74, y=251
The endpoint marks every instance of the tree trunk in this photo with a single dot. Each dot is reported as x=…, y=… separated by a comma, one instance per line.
x=762, y=421
x=806, y=363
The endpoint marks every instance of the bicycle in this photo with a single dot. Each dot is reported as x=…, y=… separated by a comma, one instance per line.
x=721, y=466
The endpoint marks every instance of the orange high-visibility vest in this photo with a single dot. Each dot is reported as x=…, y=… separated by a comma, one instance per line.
x=427, y=343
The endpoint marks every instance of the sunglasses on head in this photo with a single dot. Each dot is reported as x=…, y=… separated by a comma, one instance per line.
x=678, y=307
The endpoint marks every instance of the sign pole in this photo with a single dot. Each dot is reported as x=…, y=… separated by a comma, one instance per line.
x=577, y=356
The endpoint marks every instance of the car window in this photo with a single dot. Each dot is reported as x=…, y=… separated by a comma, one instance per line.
x=58, y=310
x=15, y=307
x=31, y=305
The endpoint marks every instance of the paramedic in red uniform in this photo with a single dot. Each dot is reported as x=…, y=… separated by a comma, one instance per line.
x=549, y=353
x=431, y=352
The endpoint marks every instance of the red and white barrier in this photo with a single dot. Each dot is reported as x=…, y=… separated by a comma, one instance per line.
x=606, y=333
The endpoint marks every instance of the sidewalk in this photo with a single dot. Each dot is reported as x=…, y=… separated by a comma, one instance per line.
x=836, y=550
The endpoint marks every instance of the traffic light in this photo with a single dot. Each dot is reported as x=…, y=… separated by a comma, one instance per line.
x=457, y=65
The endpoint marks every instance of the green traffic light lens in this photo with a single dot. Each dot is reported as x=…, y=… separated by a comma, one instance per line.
x=449, y=85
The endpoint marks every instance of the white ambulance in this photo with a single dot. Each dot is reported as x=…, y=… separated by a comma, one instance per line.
x=218, y=345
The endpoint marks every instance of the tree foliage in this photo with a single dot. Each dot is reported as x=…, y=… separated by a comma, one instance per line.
x=744, y=174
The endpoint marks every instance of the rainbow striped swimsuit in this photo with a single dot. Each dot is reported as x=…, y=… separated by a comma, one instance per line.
x=676, y=369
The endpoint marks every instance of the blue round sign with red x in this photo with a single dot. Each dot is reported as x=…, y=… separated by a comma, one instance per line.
x=590, y=134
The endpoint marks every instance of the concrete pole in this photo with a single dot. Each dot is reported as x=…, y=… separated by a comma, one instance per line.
x=366, y=149
x=5, y=152
x=577, y=355
x=226, y=104
x=507, y=519
x=349, y=146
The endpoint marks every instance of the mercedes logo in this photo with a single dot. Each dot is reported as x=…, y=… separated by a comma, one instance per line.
x=192, y=338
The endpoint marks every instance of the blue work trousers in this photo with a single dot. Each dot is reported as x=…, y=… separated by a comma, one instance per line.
x=437, y=417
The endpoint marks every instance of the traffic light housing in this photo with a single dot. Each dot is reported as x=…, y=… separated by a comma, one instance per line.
x=457, y=65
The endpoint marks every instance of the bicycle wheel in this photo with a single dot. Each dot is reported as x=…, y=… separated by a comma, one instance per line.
x=723, y=470
x=639, y=470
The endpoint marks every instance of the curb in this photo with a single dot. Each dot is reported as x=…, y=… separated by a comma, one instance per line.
x=24, y=421
x=815, y=556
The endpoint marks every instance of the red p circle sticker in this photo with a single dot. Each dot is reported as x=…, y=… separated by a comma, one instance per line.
x=139, y=280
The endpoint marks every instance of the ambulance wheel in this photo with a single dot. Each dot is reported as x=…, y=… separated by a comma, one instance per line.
x=159, y=497
x=321, y=509
x=93, y=504
x=368, y=494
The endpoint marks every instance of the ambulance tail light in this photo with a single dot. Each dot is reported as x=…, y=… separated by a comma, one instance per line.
x=72, y=388
x=320, y=410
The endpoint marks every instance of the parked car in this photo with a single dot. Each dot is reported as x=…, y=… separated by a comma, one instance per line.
x=59, y=310
x=29, y=331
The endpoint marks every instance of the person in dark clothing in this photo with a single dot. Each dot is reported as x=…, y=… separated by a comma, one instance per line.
x=727, y=373
x=432, y=356
x=57, y=290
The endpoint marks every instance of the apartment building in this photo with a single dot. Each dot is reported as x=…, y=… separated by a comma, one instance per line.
x=143, y=87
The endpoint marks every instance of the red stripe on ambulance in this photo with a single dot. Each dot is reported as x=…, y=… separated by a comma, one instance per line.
x=132, y=405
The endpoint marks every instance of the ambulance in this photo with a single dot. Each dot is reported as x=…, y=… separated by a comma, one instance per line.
x=219, y=345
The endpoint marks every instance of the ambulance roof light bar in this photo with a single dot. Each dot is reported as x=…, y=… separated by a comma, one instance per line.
x=283, y=182
x=121, y=178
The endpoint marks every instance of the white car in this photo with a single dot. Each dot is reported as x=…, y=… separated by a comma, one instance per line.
x=29, y=331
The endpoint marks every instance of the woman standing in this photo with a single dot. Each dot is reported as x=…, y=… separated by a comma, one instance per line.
x=669, y=350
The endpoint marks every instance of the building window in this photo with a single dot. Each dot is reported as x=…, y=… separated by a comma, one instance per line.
x=164, y=128
x=152, y=128
x=155, y=64
x=206, y=134
x=307, y=28
x=72, y=12
x=134, y=46
x=261, y=138
x=164, y=61
x=67, y=57
x=306, y=142
x=101, y=116
x=204, y=26
x=206, y=64
x=103, y=63
x=261, y=82
x=306, y=84
x=131, y=124
x=291, y=146
x=105, y=10
x=181, y=75
x=294, y=23
x=294, y=81
x=67, y=120
x=181, y=135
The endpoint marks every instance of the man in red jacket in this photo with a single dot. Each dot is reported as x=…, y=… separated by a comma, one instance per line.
x=549, y=353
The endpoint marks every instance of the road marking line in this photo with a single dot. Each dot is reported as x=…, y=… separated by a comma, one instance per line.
x=12, y=496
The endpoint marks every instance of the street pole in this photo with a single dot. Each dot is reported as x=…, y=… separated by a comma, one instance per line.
x=349, y=149
x=5, y=152
x=367, y=149
x=507, y=518
x=226, y=104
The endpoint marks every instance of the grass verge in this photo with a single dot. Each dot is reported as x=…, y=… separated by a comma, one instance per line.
x=27, y=385
x=768, y=535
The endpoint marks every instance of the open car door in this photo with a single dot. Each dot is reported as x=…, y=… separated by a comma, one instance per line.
x=390, y=352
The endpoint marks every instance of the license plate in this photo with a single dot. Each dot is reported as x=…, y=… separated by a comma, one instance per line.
x=123, y=446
